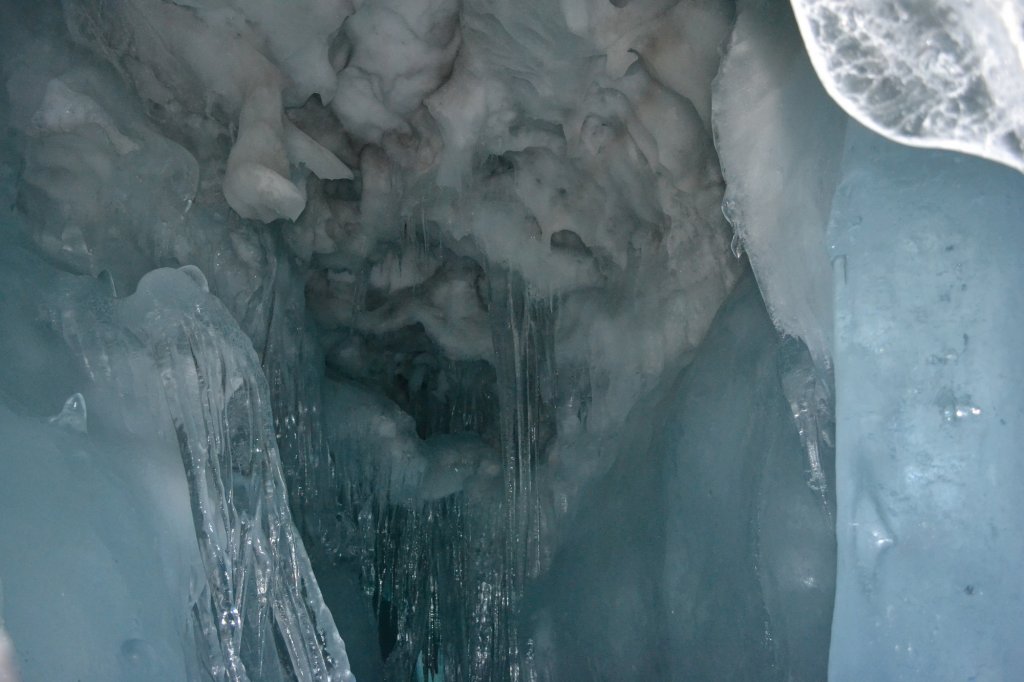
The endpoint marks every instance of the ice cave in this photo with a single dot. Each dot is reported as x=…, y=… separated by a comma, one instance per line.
x=511, y=340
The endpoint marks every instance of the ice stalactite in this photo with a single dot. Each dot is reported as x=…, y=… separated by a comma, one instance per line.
x=452, y=528
x=292, y=360
x=522, y=329
x=261, y=586
x=809, y=392
x=255, y=610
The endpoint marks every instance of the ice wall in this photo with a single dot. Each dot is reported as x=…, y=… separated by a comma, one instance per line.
x=708, y=551
x=925, y=249
x=497, y=229
x=98, y=556
x=917, y=243
x=750, y=559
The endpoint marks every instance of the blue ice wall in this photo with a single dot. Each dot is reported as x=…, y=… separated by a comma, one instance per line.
x=749, y=563
x=707, y=553
x=928, y=250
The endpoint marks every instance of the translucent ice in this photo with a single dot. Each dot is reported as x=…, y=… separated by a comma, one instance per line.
x=444, y=269
x=178, y=558
x=121, y=563
x=945, y=74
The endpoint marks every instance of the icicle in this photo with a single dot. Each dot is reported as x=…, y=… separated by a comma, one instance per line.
x=736, y=245
x=810, y=402
x=260, y=590
x=448, y=576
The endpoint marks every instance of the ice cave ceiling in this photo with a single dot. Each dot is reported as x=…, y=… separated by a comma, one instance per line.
x=530, y=341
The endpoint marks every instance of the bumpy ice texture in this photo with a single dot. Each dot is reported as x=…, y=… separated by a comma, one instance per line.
x=500, y=240
x=505, y=221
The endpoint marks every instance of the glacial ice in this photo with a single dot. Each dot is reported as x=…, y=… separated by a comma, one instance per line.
x=945, y=75
x=913, y=239
x=779, y=137
x=704, y=553
x=498, y=339
x=178, y=553
x=925, y=247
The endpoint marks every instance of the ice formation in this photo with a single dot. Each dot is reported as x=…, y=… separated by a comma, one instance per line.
x=751, y=589
x=497, y=340
x=179, y=555
x=947, y=75
x=779, y=137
